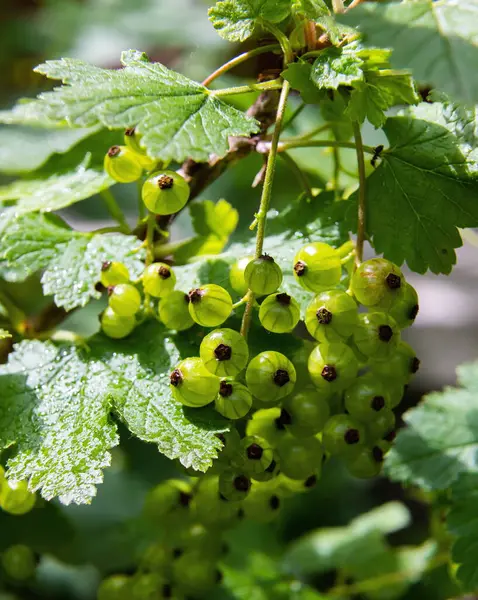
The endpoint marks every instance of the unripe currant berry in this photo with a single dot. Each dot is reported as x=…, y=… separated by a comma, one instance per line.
x=224, y=352
x=115, y=587
x=269, y=424
x=173, y=311
x=263, y=275
x=166, y=497
x=15, y=497
x=234, y=485
x=124, y=299
x=113, y=273
x=343, y=435
x=331, y=316
x=290, y=487
x=332, y=367
x=299, y=458
x=308, y=412
x=317, y=267
x=255, y=455
x=210, y=305
x=122, y=164
x=377, y=335
x=192, y=384
x=132, y=139
x=400, y=366
x=262, y=504
x=366, y=464
x=19, y=562
x=270, y=473
x=236, y=275
x=234, y=400
x=114, y=326
x=366, y=397
x=270, y=376
x=377, y=282
x=279, y=313
x=158, y=280
x=165, y=193
x=405, y=309
x=382, y=426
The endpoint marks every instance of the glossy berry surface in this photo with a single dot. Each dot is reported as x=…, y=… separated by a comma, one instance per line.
x=406, y=307
x=400, y=366
x=164, y=498
x=210, y=305
x=383, y=425
x=377, y=335
x=113, y=273
x=317, y=267
x=192, y=384
x=377, y=282
x=308, y=412
x=366, y=464
x=332, y=367
x=366, y=397
x=331, y=316
x=270, y=376
x=15, y=497
x=262, y=504
x=343, y=435
x=279, y=313
x=236, y=275
x=165, y=192
x=267, y=423
x=255, y=454
x=116, y=327
x=158, y=280
x=124, y=299
x=263, y=275
x=132, y=140
x=18, y=562
x=234, y=400
x=234, y=485
x=299, y=458
x=122, y=164
x=224, y=352
x=173, y=311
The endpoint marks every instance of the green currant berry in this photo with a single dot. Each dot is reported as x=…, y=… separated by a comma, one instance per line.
x=236, y=275
x=382, y=426
x=317, y=267
x=173, y=311
x=279, y=313
x=366, y=464
x=262, y=504
x=308, y=412
x=270, y=473
x=165, y=192
x=15, y=497
x=268, y=424
x=405, y=309
x=400, y=366
x=224, y=352
x=255, y=455
x=156, y=558
x=395, y=389
x=299, y=458
x=234, y=400
x=124, y=299
x=166, y=497
x=122, y=164
x=115, y=587
x=343, y=436
x=332, y=367
x=192, y=384
x=19, y=562
x=377, y=282
x=210, y=305
x=114, y=326
x=158, y=280
x=263, y=275
x=270, y=376
x=196, y=575
x=331, y=316
x=290, y=487
x=198, y=538
x=377, y=335
x=132, y=139
x=113, y=273
x=366, y=397
x=234, y=485
x=209, y=508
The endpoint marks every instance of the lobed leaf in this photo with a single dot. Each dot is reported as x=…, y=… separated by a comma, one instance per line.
x=337, y=66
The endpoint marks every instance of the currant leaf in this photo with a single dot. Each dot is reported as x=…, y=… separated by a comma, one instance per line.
x=441, y=438
x=236, y=20
x=177, y=117
x=337, y=66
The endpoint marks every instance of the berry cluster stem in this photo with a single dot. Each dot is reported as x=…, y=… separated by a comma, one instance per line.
x=361, y=192
x=261, y=216
x=115, y=211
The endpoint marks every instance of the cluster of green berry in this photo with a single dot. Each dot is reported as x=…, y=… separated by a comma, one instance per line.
x=15, y=498
x=19, y=563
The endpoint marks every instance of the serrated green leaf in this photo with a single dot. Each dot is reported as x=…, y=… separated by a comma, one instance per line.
x=380, y=91
x=56, y=402
x=298, y=74
x=437, y=40
x=56, y=191
x=4, y=334
x=71, y=261
x=423, y=190
x=236, y=20
x=441, y=438
x=208, y=217
x=337, y=66
x=177, y=117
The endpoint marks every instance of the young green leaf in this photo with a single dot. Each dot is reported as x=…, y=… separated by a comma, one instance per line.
x=337, y=66
x=177, y=117
x=71, y=261
x=419, y=195
x=437, y=40
x=236, y=20
x=441, y=438
x=57, y=403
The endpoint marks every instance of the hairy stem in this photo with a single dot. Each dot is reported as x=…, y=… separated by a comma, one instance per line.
x=282, y=39
x=261, y=216
x=114, y=210
x=275, y=84
x=149, y=241
x=362, y=193
x=289, y=145
x=238, y=60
